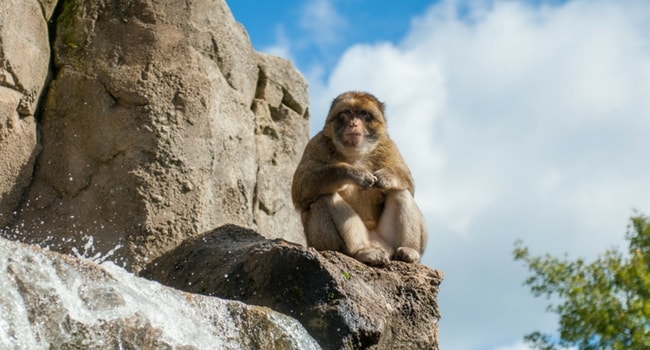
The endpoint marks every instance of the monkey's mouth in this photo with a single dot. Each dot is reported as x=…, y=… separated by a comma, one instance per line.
x=353, y=139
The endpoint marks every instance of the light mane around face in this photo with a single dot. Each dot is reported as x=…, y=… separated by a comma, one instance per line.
x=355, y=123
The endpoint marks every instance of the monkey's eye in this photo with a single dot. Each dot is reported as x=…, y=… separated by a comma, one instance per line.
x=358, y=113
x=345, y=113
x=367, y=117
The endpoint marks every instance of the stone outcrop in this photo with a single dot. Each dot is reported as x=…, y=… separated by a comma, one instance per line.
x=343, y=303
x=52, y=301
x=24, y=62
x=129, y=129
x=160, y=122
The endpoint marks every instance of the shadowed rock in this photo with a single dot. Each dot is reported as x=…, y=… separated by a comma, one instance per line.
x=343, y=303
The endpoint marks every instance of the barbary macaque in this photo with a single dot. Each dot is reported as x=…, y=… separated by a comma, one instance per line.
x=353, y=189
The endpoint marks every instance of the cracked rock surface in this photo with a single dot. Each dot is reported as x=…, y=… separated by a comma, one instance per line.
x=158, y=122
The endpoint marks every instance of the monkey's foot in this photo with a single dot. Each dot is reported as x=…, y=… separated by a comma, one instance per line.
x=372, y=256
x=407, y=254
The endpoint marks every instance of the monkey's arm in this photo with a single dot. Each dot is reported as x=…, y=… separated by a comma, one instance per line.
x=313, y=180
x=391, y=179
x=391, y=170
x=321, y=172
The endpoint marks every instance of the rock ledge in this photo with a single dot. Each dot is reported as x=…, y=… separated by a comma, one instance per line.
x=343, y=303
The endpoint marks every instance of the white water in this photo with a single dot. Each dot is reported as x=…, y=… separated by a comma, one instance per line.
x=48, y=301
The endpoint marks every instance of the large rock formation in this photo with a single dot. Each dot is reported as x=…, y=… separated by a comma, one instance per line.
x=51, y=301
x=343, y=303
x=24, y=61
x=160, y=123
x=130, y=126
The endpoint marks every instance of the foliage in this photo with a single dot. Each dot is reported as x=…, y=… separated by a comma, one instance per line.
x=601, y=305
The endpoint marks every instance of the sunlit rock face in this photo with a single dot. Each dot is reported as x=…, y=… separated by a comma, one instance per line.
x=130, y=126
x=160, y=122
x=24, y=60
x=343, y=303
x=51, y=301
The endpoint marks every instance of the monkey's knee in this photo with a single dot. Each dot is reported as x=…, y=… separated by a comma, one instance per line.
x=334, y=225
x=403, y=199
x=402, y=224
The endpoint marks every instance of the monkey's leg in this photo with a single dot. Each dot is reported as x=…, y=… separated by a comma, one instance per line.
x=349, y=230
x=355, y=234
x=402, y=226
x=320, y=231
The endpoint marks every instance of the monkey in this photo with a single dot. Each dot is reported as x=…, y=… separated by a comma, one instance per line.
x=353, y=189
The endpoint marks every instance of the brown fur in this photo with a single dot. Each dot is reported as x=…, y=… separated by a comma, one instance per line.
x=353, y=189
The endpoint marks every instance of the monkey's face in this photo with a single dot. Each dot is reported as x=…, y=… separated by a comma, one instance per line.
x=355, y=123
x=354, y=127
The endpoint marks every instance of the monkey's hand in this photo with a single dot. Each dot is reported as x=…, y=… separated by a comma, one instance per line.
x=363, y=178
x=385, y=179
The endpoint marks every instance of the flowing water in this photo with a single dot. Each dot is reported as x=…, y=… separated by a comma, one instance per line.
x=50, y=301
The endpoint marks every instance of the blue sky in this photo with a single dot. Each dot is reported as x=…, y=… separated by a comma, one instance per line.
x=519, y=119
x=317, y=32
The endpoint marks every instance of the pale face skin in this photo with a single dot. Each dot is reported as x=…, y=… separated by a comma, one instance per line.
x=353, y=134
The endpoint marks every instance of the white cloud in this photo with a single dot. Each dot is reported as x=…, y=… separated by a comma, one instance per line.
x=521, y=346
x=518, y=121
x=319, y=29
x=282, y=46
x=516, y=346
x=322, y=23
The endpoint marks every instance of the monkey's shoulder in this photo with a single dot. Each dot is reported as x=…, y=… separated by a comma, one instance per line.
x=320, y=148
x=387, y=154
x=320, y=140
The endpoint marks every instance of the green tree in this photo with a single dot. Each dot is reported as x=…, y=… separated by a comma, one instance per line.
x=601, y=305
